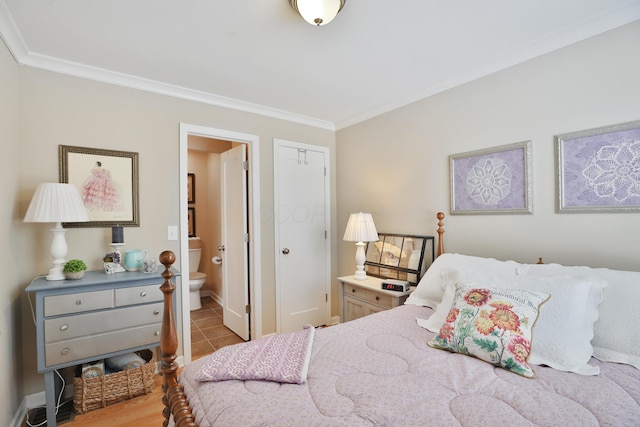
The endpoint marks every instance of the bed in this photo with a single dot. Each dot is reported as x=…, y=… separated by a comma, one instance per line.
x=553, y=345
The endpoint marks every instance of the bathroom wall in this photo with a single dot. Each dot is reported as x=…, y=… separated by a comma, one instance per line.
x=207, y=217
x=204, y=163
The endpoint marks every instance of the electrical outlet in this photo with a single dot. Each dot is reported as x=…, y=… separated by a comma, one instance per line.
x=172, y=232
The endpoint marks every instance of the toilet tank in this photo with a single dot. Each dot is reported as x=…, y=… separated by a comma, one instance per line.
x=195, y=251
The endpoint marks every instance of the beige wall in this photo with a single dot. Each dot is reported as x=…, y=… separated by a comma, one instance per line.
x=58, y=109
x=396, y=165
x=14, y=260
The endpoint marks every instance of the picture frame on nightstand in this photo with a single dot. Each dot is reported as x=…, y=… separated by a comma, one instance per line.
x=399, y=256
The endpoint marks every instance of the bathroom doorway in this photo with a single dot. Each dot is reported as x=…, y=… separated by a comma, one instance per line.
x=201, y=218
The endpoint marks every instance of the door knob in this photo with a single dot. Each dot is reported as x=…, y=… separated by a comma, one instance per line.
x=285, y=251
x=221, y=248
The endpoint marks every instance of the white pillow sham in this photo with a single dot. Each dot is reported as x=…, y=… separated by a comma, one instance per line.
x=615, y=337
x=432, y=285
x=562, y=336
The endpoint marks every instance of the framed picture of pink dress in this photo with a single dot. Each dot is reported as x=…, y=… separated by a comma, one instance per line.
x=107, y=181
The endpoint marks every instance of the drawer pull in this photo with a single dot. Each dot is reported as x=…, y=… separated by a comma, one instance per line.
x=156, y=333
x=143, y=294
x=78, y=302
x=156, y=312
x=64, y=327
x=65, y=351
x=353, y=290
x=377, y=298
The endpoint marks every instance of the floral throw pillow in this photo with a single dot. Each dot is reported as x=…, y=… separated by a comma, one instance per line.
x=492, y=324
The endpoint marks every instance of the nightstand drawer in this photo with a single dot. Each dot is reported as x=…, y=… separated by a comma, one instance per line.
x=357, y=292
x=68, y=327
x=374, y=297
x=78, y=302
x=81, y=348
x=383, y=300
x=138, y=295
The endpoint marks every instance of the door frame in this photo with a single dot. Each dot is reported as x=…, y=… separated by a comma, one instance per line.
x=277, y=142
x=255, y=292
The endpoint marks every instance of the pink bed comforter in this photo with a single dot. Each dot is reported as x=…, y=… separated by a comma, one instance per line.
x=378, y=370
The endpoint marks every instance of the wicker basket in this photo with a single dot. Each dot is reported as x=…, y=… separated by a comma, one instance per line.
x=100, y=391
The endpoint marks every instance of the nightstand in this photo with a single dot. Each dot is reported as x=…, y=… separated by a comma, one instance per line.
x=360, y=298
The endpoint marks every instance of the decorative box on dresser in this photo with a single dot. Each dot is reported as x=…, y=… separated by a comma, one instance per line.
x=98, y=316
x=360, y=298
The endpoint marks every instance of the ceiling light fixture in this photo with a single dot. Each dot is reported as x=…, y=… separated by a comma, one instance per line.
x=317, y=12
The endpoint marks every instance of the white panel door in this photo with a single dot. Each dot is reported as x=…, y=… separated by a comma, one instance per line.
x=235, y=245
x=301, y=190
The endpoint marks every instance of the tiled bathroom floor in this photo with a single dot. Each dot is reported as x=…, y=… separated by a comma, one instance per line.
x=208, y=334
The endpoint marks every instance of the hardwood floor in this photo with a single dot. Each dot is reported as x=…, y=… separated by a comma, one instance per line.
x=207, y=335
x=142, y=411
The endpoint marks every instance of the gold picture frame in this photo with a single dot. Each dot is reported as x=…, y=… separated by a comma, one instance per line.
x=107, y=181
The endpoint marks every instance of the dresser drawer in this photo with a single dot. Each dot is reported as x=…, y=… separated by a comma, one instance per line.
x=81, y=348
x=77, y=302
x=64, y=328
x=138, y=295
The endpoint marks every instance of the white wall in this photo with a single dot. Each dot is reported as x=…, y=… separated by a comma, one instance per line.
x=396, y=165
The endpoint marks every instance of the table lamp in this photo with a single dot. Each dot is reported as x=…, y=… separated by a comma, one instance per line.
x=360, y=229
x=57, y=203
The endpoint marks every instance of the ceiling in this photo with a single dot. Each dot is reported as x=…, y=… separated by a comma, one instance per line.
x=260, y=56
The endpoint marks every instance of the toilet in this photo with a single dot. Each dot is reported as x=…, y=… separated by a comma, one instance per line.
x=196, y=279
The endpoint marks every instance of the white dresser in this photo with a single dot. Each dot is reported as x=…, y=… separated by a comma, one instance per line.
x=98, y=316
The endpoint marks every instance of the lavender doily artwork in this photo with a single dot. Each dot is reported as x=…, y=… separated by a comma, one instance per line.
x=491, y=182
x=602, y=170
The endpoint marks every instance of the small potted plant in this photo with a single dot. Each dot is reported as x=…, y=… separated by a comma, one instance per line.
x=74, y=269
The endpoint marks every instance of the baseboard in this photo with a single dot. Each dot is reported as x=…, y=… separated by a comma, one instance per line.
x=335, y=320
x=29, y=402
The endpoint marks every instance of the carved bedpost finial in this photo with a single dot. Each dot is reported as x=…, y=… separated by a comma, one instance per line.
x=440, y=217
x=167, y=258
x=540, y=261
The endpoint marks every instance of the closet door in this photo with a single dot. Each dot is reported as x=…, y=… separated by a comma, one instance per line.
x=301, y=193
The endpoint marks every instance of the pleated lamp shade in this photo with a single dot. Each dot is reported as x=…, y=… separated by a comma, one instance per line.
x=54, y=202
x=360, y=228
x=57, y=203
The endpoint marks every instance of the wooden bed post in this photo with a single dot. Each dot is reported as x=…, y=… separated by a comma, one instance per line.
x=440, y=251
x=174, y=399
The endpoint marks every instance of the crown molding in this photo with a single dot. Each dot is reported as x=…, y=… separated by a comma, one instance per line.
x=12, y=37
x=571, y=35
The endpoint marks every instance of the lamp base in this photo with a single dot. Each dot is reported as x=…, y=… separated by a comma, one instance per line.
x=55, y=273
x=360, y=275
x=58, y=252
x=360, y=258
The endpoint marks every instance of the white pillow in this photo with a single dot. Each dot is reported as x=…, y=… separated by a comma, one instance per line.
x=615, y=337
x=432, y=285
x=563, y=333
